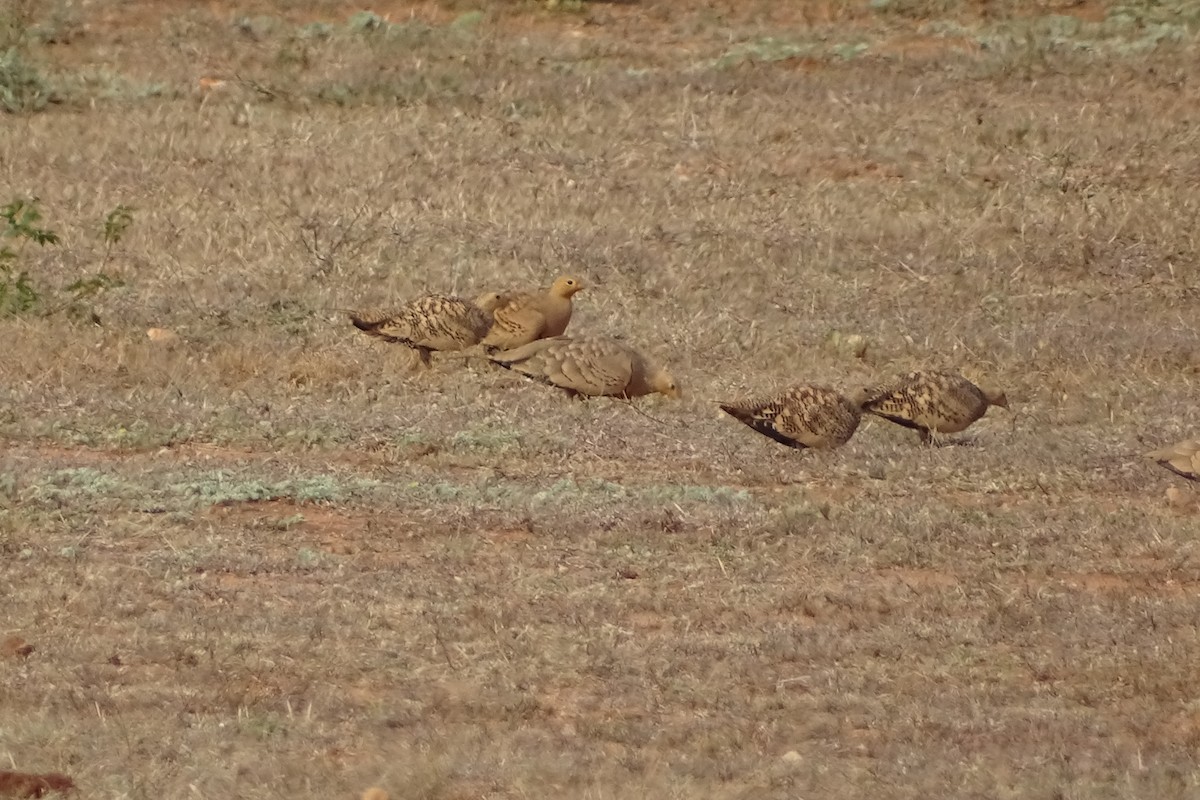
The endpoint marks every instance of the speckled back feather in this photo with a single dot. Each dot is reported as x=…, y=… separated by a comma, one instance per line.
x=435, y=322
x=930, y=402
x=800, y=417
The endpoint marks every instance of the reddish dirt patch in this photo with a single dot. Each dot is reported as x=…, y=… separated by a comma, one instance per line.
x=842, y=169
x=509, y=536
x=1182, y=728
x=1147, y=584
x=837, y=168
x=921, y=578
x=340, y=531
x=150, y=15
x=1096, y=581
x=926, y=47
x=796, y=63
x=646, y=620
x=1083, y=10
x=1182, y=502
x=25, y=784
x=698, y=165
x=665, y=23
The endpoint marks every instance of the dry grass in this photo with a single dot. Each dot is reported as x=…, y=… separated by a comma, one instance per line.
x=269, y=560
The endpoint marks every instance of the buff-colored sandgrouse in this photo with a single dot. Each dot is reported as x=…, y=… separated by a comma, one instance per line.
x=1182, y=458
x=800, y=417
x=930, y=402
x=589, y=365
x=433, y=323
x=524, y=317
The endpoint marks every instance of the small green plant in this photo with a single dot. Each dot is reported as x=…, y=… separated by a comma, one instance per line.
x=308, y=557
x=366, y=22
x=257, y=28
x=486, y=439
x=288, y=523
x=316, y=30
x=115, y=225
x=467, y=20
x=16, y=23
x=20, y=219
x=113, y=230
x=913, y=9
x=84, y=288
x=23, y=86
x=19, y=294
x=766, y=50
x=222, y=488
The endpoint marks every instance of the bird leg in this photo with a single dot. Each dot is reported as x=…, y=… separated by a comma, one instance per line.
x=934, y=439
x=420, y=360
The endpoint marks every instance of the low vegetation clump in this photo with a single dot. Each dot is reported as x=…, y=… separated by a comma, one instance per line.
x=20, y=292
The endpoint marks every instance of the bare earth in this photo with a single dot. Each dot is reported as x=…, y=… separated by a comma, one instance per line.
x=269, y=559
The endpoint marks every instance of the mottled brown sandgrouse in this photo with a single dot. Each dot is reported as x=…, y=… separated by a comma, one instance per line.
x=588, y=365
x=524, y=317
x=1182, y=458
x=800, y=417
x=930, y=402
x=433, y=323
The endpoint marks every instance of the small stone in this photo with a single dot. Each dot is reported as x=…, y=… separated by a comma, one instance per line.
x=857, y=345
x=851, y=344
x=1179, y=499
x=162, y=335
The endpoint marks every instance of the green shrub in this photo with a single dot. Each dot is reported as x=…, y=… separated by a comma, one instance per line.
x=19, y=293
x=23, y=87
x=20, y=220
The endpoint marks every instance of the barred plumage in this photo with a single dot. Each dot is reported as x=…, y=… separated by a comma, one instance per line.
x=930, y=402
x=800, y=417
x=591, y=365
x=433, y=323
